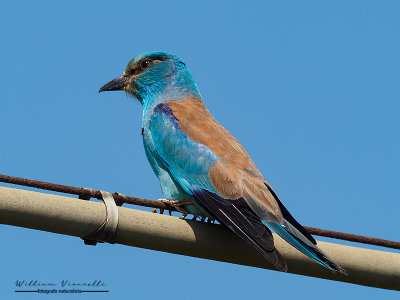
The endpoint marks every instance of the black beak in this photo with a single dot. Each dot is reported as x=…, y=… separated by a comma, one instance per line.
x=116, y=84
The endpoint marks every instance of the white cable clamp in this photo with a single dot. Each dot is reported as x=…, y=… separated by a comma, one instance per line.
x=107, y=232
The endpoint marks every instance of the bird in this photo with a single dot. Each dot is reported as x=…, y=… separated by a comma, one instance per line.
x=203, y=170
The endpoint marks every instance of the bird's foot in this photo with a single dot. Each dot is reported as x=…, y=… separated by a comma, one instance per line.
x=177, y=204
x=204, y=219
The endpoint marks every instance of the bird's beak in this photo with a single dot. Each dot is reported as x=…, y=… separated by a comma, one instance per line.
x=116, y=84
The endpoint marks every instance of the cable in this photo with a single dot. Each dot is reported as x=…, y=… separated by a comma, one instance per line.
x=83, y=192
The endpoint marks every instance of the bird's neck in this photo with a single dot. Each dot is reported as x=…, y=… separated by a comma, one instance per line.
x=174, y=87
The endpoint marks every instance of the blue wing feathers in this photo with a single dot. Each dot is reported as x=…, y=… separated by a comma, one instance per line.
x=186, y=159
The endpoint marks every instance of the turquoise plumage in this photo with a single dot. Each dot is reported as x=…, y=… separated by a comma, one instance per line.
x=201, y=165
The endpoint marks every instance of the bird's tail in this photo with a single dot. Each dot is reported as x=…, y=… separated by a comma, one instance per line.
x=297, y=236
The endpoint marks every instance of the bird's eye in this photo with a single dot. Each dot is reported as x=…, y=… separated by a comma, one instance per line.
x=144, y=64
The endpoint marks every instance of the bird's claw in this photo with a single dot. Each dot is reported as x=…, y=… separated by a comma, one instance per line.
x=177, y=204
x=155, y=210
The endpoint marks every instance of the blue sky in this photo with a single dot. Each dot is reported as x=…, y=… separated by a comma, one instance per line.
x=311, y=89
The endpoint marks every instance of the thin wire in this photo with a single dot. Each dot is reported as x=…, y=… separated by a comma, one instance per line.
x=82, y=192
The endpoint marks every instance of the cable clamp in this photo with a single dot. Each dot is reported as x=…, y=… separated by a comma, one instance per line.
x=107, y=232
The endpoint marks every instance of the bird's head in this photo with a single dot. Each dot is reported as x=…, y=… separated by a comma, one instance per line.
x=154, y=75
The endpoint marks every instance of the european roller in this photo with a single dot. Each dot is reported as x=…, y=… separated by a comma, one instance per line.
x=202, y=168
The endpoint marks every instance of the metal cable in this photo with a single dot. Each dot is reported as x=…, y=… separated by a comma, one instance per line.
x=83, y=192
